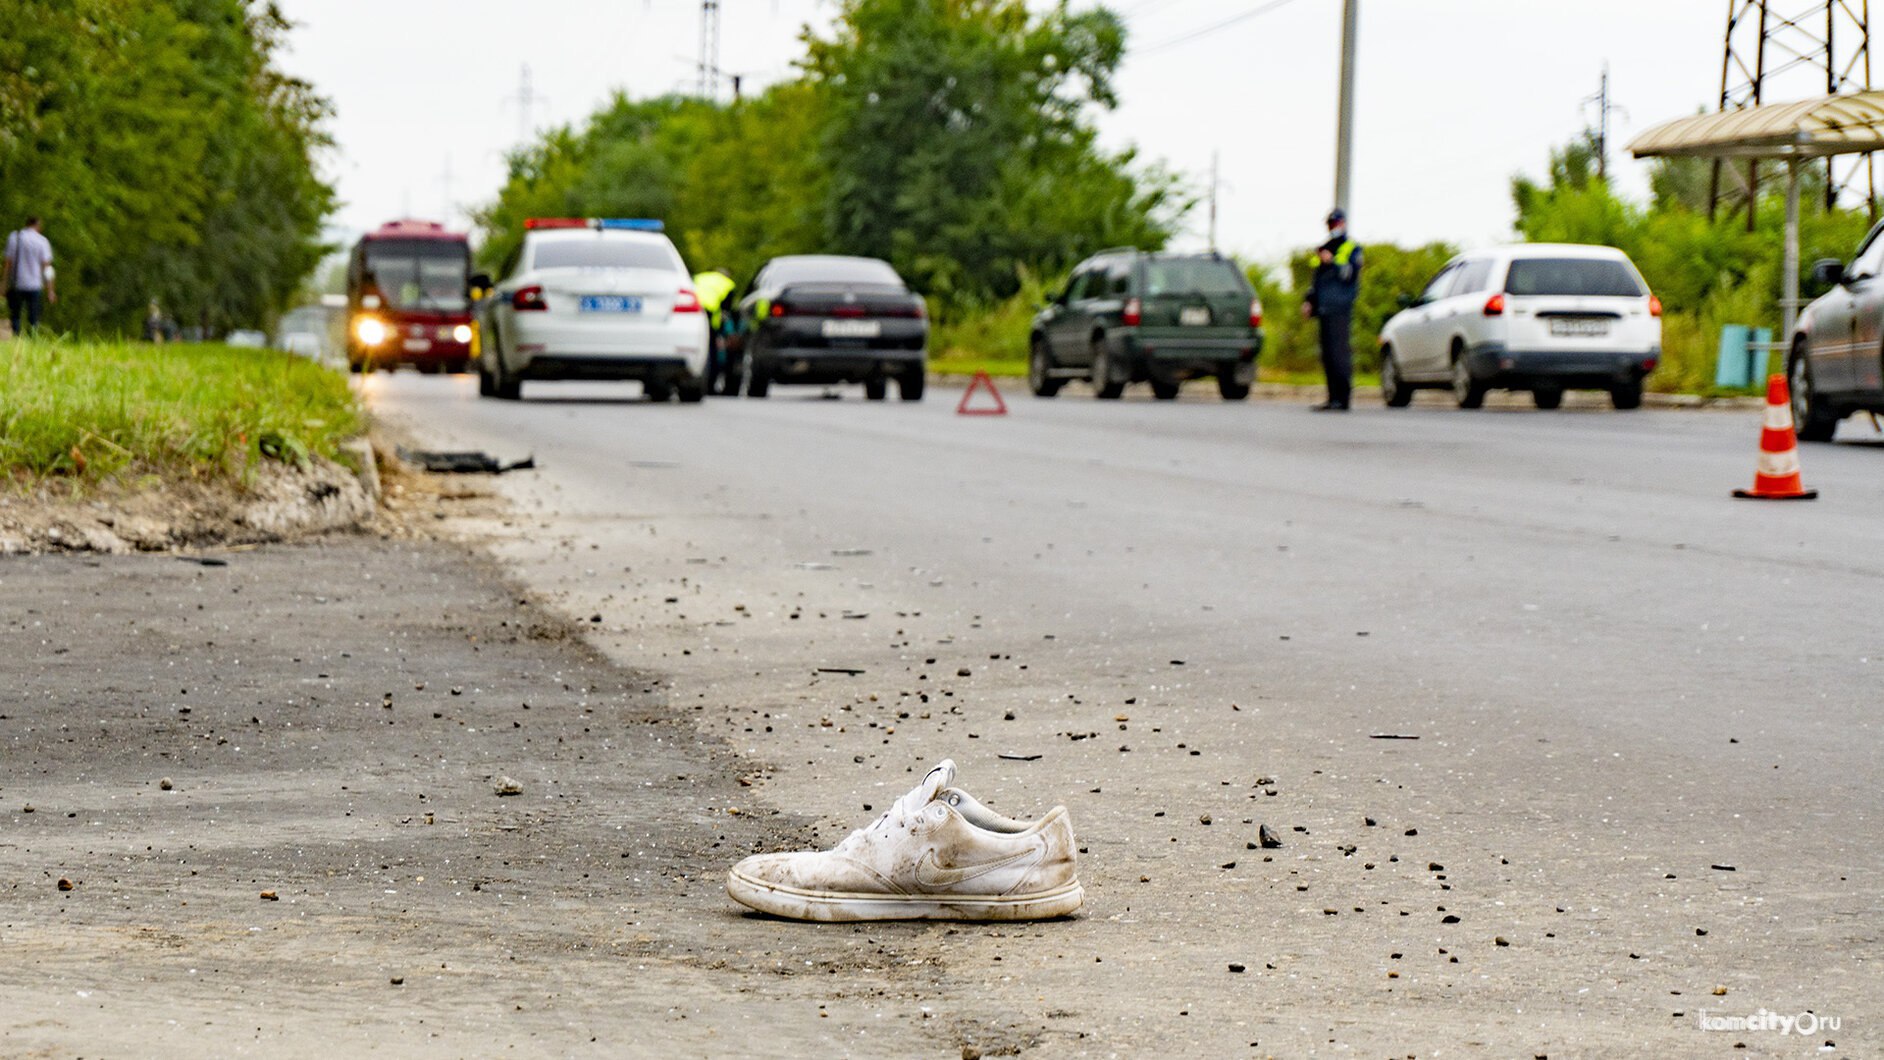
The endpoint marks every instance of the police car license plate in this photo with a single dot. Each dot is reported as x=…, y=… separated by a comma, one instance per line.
x=852, y=329
x=418, y=345
x=608, y=303
x=1579, y=327
x=1194, y=317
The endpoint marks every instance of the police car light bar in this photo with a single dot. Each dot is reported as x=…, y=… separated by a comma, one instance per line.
x=633, y=224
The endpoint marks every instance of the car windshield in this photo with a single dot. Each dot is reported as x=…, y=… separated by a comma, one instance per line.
x=1205, y=276
x=602, y=252
x=834, y=270
x=1592, y=277
x=420, y=273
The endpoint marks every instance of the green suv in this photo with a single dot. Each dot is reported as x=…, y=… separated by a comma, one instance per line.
x=1130, y=315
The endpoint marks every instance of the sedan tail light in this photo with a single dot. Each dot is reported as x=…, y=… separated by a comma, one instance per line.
x=1256, y=313
x=1655, y=306
x=1134, y=312
x=780, y=309
x=686, y=302
x=1495, y=305
x=528, y=299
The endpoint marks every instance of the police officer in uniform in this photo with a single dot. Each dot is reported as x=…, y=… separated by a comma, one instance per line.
x=1331, y=295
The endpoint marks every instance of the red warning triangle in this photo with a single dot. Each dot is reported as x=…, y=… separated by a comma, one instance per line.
x=981, y=381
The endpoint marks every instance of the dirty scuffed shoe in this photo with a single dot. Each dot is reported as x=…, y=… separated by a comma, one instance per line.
x=937, y=854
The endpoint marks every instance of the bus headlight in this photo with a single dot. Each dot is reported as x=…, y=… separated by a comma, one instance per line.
x=462, y=333
x=369, y=330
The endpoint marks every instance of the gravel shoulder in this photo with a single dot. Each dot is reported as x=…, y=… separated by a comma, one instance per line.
x=331, y=718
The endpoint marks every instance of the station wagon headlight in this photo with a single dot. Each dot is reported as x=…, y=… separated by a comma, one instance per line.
x=461, y=333
x=369, y=330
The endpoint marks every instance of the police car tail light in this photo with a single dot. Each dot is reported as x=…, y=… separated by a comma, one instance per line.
x=1495, y=305
x=1655, y=306
x=1256, y=313
x=1134, y=312
x=686, y=302
x=555, y=222
x=528, y=299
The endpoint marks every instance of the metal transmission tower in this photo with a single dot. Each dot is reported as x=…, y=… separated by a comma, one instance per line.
x=1798, y=48
x=710, y=48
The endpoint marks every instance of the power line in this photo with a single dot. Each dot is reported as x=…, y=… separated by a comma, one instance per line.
x=1212, y=28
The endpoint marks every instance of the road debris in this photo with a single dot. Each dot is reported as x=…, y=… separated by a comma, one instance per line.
x=1390, y=736
x=1268, y=838
x=1019, y=758
x=65, y=884
x=507, y=786
x=462, y=462
x=165, y=784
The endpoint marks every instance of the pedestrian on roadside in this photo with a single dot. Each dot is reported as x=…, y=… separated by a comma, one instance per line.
x=154, y=323
x=1332, y=291
x=27, y=276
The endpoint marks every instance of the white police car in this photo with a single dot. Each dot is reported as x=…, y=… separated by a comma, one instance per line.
x=594, y=298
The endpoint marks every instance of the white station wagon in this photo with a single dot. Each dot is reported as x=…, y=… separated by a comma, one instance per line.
x=587, y=298
x=1543, y=317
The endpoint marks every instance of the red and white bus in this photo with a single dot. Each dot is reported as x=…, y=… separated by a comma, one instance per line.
x=409, y=296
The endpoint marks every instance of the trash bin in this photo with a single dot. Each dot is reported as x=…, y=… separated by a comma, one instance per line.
x=1742, y=359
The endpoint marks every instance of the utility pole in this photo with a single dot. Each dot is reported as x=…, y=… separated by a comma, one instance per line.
x=1213, y=200
x=1344, y=130
x=709, y=49
x=1602, y=128
x=526, y=105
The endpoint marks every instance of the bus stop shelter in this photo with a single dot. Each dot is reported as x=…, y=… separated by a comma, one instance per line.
x=1851, y=123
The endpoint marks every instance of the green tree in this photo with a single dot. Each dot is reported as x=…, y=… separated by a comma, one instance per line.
x=167, y=154
x=958, y=144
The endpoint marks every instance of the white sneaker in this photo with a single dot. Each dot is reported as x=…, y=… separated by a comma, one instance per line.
x=937, y=854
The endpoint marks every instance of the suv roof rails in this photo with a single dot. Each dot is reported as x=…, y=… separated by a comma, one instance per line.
x=1116, y=250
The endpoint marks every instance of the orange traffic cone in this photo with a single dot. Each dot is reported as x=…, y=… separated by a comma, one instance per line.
x=1776, y=478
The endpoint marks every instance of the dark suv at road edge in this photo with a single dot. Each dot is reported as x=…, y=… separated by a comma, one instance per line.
x=1130, y=315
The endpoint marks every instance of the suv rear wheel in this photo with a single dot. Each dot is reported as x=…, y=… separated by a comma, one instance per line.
x=1106, y=381
x=1627, y=396
x=1040, y=370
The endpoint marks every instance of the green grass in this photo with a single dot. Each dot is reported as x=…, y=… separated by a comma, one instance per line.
x=92, y=410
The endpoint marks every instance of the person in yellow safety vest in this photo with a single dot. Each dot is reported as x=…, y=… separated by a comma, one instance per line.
x=1332, y=291
x=713, y=287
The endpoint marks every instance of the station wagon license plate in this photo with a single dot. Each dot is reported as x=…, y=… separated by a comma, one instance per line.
x=609, y=303
x=1194, y=317
x=852, y=329
x=1579, y=327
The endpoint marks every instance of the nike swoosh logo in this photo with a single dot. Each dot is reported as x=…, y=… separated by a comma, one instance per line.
x=930, y=873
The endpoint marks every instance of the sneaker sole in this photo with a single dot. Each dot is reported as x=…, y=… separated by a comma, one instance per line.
x=836, y=906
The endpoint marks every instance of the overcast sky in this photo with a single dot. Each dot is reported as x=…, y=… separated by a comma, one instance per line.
x=1454, y=96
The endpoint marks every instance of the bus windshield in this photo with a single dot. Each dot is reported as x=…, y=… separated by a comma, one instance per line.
x=419, y=274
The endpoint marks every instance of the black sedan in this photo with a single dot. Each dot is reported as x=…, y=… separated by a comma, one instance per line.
x=824, y=319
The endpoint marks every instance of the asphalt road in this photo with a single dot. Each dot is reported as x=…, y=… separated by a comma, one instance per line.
x=1639, y=777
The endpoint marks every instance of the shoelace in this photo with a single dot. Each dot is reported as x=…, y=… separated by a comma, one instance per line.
x=899, y=811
